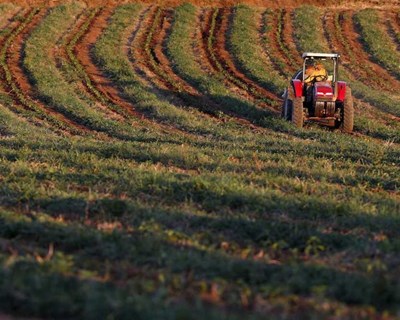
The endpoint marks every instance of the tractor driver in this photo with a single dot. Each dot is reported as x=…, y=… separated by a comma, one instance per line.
x=315, y=73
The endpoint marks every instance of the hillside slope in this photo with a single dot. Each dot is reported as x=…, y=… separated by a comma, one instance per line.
x=146, y=173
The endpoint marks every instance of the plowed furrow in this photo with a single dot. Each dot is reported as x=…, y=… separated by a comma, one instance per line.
x=17, y=83
x=227, y=61
x=357, y=71
x=9, y=23
x=140, y=49
x=216, y=53
x=391, y=21
x=201, y=50
x=281, y=44
x=138, y=38
x=154, y=63
x=358, y=61
x=294, y=52
x=161, y=65
x=94, y=82
x=159, y=56
x=66, y=59
x=8, y=18
x=271, y=28
x=333, y=33
x=288, y=39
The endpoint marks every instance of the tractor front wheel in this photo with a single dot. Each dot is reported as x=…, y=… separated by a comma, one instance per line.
x=297, y=112
x=348, y=112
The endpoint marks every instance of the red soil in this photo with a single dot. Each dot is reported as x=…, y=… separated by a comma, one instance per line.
x=228, y=62
x=273, y=48
x=371, y=70
x=159, y=44
x=61, y=54
x=220, y=3
x=97, y=78
x=14, y=61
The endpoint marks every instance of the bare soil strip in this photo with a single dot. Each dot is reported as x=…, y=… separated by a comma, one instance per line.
x=14, y=60
x=159, y=40
x=288, y=40
x=149, y=56
x=186, y=92
x=361, y=64
x=189, y=95
x=272, y=42
x=100, y=82
x=225, y=58
x=138, y=54
x=357, y=69
x=213, y=42
x=135, y=51
x=63, y=56
x=391, y=20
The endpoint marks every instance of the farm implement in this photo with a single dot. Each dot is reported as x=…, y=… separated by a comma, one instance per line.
x=316, y=95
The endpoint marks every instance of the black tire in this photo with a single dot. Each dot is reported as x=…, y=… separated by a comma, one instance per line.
x=286, y=109
x=348, y=112
x=297, y=112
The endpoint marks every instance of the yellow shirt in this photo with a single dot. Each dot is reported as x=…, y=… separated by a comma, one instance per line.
x=316, y=75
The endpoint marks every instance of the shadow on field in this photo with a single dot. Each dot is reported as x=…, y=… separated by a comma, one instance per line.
x=132, y=259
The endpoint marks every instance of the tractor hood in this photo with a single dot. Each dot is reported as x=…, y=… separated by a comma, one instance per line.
x=323, y=90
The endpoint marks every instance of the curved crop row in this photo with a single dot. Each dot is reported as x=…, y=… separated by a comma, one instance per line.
x=31, y=108
x=72, y=70
x=216, y=42
x=312, y=40
x=245, y=45
x=231, y=221
x=340, y=33
x=376, y=41
x=80, y=70
x=271, y=33
x=52, y=87
x=182, y=46
x=117, y=64
x=156, y=45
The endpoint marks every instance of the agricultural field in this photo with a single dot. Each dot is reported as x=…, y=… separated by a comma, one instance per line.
x=145, y=172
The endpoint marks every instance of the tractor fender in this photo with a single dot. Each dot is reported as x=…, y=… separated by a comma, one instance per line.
x=297, y=88
x=341, y=90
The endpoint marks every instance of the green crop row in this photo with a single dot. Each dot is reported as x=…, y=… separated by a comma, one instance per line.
x=52, y=87
x=376, y=41
x=267, y=29
x=70, y=46
x=180, y=51
x=117, y=65
x=33, y=109
x=223, y=207
x=245, y=46
x=225, y=73
x=355, y=61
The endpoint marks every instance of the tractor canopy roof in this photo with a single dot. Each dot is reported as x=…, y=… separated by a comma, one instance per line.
x=318, y=55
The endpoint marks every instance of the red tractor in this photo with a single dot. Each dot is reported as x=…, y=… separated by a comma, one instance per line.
x=315, y=94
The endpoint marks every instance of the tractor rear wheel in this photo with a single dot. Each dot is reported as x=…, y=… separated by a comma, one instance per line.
x=348, y=112
x=297, y=112
x=286, y=110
